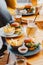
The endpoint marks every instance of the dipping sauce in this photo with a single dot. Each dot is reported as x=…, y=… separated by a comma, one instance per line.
x=23, y=49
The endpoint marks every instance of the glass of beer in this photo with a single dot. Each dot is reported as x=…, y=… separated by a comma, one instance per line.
x=34, y=2
x=31, y=29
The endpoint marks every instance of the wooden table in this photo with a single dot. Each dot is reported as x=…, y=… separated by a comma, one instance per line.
x=38, y=58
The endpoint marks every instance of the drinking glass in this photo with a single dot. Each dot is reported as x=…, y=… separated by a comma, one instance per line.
x=20, y=62
x=34, y=2
x=31, y=29
x=17, y=15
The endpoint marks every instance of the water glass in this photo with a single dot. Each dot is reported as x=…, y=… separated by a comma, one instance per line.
x=18, y=16
x=20, y=62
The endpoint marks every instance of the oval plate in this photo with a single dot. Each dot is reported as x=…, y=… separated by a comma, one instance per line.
x=28, y=14
x=29, y=53
x=2, y=34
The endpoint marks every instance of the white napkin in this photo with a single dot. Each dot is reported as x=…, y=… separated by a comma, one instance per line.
x=1, y=43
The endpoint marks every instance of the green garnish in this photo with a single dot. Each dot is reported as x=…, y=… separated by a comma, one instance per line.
x=17, y=32
x=30, y=45
x=18, y=27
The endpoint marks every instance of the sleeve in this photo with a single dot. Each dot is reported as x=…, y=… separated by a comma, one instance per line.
x=5, y=17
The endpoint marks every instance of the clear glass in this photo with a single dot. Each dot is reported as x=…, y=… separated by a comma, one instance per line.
x=20, y=62
x=17, y=15
x=31, y=29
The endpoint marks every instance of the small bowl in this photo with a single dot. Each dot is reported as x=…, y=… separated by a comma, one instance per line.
x=23, y=49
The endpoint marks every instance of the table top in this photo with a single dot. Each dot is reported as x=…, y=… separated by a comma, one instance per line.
x=38, y=58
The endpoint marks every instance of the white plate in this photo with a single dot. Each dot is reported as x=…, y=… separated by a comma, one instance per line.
x=2, y=34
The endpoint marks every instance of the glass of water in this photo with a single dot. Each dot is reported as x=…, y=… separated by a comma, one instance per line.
x=20, y=62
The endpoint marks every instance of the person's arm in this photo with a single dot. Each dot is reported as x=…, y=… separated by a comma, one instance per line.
x=5, y=17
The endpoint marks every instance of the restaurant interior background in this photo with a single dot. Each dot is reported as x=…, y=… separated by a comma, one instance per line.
x=20, y=3
x=21, y=40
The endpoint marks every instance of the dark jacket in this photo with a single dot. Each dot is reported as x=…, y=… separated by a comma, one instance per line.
x=5, y=17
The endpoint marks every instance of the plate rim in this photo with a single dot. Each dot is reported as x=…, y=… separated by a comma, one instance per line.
x=28, y=14
x=4, y=35
x=37, y=51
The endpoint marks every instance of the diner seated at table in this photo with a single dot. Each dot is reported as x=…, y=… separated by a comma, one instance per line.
x=5, y=16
